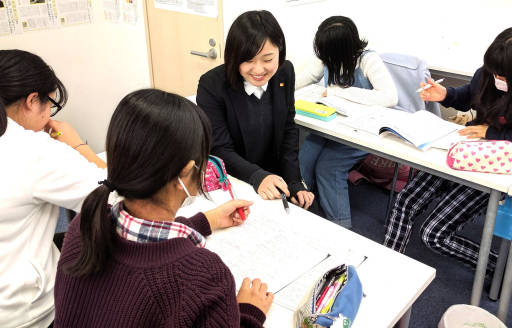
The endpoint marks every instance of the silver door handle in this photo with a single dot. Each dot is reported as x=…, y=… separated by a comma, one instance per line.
x=212, y=53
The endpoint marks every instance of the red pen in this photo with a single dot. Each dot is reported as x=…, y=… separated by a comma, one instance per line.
x=240, y=210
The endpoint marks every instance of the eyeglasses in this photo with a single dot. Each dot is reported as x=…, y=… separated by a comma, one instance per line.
x=56, y=107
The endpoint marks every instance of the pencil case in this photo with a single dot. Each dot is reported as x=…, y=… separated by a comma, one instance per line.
x=341, y=311
x=311, y=109
x=215, y=176
x=489, y=156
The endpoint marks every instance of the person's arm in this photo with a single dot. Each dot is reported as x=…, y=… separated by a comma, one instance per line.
x=289, y=148
x=312, y=73
x=65, y=133
x=62, y=176
x=212, y=103
x=493, y=133
x=384, y=91
x=460, y=98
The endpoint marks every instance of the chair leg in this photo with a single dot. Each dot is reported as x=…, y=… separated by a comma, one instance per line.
x=391, y=194
x=497, y=278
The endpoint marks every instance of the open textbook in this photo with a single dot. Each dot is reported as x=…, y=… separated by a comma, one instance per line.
x=422, y=129
x=313, y=93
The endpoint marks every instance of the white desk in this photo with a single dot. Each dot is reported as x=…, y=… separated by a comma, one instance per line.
x=391, y=281
x=432, y=161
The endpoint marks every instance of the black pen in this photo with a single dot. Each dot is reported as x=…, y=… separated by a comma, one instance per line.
x=285, y=202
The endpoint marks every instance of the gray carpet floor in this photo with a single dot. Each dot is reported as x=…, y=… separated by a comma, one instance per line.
x=453, y=282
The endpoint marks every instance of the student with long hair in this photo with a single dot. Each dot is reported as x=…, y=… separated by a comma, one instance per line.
x=250, y=102
x=490, y=94
x=134, y=264
x=38, y=175
x=352, y=72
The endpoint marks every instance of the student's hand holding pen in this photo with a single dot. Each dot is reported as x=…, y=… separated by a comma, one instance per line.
x=63, y=132
x=226, y=215
x=255, y=293
x=432, y=91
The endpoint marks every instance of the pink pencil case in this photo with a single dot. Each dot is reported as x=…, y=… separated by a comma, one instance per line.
x=489, y=156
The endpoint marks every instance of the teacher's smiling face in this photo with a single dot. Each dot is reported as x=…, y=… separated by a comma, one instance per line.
x=260, y=69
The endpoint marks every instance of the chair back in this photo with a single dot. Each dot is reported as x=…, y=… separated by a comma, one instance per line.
x=407, y=73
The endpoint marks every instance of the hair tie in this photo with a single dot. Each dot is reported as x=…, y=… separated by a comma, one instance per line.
x=107, y=184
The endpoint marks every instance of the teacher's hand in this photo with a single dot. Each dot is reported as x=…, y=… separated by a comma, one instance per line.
x=268, y=187
x=304, y=199
x=435, y=93
x=226, y=215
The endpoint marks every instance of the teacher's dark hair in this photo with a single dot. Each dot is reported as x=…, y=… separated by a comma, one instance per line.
x=152, y=136
x=22, y=73
x=338, y=46
x=491, y=103
x=245, y=40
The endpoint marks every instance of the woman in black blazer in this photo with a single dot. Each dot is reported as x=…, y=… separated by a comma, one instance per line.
x=250, y=103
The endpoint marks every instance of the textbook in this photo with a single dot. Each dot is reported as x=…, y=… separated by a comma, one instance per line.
x=422, y=129
x=313, y=94
x=315, y=110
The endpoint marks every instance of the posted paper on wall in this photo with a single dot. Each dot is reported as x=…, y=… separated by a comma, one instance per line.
x=74, y=12
x=34, y=14
x=129, y=11
x=111, y=10
x=197, y=7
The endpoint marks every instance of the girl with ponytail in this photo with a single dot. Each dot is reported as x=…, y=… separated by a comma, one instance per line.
x=134, y=264
x=44, y=165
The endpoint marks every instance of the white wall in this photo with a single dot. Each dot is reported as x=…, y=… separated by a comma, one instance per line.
x=451, y=35
x=99, y=63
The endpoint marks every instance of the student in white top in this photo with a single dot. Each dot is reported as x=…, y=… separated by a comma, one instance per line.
x=38, y=175
x=353, y=73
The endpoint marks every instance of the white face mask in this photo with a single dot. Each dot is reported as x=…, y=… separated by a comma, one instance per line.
x=500, y=85
x=190, y=199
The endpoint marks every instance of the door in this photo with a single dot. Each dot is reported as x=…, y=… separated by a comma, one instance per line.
x=172, y=37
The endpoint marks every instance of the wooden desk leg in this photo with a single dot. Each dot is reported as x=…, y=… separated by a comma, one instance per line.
x=485, y=247
x=497, y=278
x=506, y=289
x=404, y=321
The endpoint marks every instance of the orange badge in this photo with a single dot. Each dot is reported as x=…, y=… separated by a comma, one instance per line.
x=281, y=84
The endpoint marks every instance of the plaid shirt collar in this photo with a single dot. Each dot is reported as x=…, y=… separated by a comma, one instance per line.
x=143, y=231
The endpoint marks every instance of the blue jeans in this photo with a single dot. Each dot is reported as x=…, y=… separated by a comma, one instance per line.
x=325, y=164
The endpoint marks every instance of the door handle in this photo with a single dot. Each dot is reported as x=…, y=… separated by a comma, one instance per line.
x=212, y=53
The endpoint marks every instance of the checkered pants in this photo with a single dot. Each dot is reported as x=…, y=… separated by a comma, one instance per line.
x=456, y=205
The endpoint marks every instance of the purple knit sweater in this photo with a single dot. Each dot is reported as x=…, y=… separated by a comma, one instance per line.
x=162, y=284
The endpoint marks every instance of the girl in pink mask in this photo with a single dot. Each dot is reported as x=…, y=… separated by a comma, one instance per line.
x=489, y=94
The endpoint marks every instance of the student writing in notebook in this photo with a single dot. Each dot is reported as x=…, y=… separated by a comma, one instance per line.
x=38, y=174
x=134, y=264
x=356, y=74
x=250, y=103
x=490, y=94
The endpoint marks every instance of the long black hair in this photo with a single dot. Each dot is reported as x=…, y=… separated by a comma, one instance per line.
x=338, y=46
x=22, y=73
x=246, y=37
x=494, y=107
x=151, y=137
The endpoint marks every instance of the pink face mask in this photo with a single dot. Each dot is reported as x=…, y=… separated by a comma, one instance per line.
x=500, y=85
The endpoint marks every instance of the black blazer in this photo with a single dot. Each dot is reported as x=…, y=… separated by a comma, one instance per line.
x=226, y=109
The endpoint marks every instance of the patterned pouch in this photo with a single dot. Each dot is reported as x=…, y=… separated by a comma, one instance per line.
x=215, y=176
x=317, y=312
x=489, y=156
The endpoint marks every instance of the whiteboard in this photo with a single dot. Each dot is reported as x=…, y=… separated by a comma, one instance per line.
x=450, y=35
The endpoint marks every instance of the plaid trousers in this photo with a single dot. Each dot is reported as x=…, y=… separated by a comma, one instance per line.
x=457, y=204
